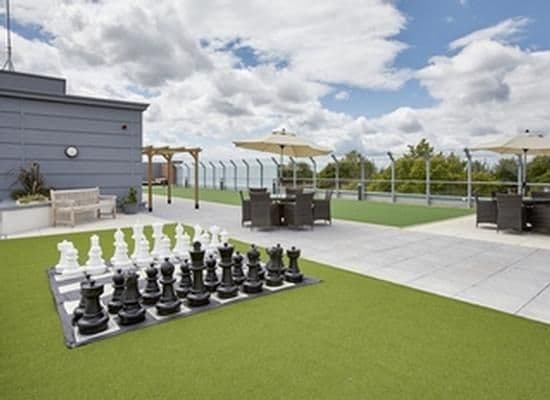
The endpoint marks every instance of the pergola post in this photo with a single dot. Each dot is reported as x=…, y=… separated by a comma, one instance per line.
x=468, y=177
x=235, y=179
x=314, y=172
x=261, y=172
x=150, y=180
x=247, y=173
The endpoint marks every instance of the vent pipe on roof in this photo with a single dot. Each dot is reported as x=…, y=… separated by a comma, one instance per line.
x=8, y=65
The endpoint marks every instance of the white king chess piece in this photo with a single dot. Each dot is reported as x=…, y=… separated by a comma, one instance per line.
x=72, y=269
x=157, y=236
x=62, y=247
x=182, y=246
x=143, y=259
x=95, y=264
x=120, y=259
x=164, y=251
x=137, y=234
x=197, y=236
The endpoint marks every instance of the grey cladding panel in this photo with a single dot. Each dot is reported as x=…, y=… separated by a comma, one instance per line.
x=31, y=83
x=10, y=119
x=71, y=124
x=57, y=152
x=80, y=111
x=83, y=139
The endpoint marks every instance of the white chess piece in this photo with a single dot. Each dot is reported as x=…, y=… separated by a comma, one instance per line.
x=197, y=237
x=143, y=259
x=205, y=239
x=215, y=238
x=181, y=248
x=62, y=247
x=157, y=236
x=95, y=264
x=164, y=251
x=136, y=236
x=224, y=237
x=71, y=263
x=120, y=259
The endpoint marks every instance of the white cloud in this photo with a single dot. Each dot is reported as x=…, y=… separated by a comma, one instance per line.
x=342, y=95
x=506, y=31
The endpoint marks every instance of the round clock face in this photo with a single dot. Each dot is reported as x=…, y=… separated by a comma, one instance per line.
x=71, y=151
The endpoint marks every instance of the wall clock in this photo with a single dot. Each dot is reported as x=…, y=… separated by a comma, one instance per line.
x=71, y=151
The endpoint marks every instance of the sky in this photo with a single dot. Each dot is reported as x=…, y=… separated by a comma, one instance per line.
x=369, y=75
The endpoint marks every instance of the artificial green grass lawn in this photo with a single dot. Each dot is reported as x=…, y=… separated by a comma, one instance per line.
x=399, y=215
x=349, y=337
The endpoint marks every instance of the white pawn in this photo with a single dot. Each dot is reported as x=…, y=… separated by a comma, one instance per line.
x=224, y=237
x=215, y=238
x=164, y=251
x=62, y=247
x=95, y=264
x=197, y=237
x=143, y=258
x=120, y=259
x=72, y=269
x=181, y=248
x=136, y=236
x=157, y=236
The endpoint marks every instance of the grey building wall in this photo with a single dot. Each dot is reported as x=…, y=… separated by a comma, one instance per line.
x=108, y=136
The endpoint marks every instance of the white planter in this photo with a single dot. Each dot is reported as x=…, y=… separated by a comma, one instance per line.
x=22, y=218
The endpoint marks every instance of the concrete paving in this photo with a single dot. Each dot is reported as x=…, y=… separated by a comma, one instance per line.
x=510, y=278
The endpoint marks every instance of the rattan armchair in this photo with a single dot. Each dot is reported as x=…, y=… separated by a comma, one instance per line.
x=510, y=212
x=540, y=217
x=486, y=211
x=245, y=209
x=263, y=213
x=321, y=208
x=300, y=212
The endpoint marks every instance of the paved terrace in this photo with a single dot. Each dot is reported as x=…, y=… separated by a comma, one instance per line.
x=510, y=278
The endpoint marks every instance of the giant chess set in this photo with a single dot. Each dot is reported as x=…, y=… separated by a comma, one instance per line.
x=101, y=299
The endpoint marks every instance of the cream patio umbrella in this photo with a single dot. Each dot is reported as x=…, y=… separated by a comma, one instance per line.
x=283, y=143
x=522, y=144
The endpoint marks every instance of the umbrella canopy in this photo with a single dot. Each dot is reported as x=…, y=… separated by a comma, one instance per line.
x=519, y=144
x=283, y=143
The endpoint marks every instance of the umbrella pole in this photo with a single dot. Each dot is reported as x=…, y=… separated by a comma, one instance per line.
x=524, y=173
x=281, y=167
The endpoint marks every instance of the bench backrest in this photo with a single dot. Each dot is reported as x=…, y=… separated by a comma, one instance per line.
x=80, y=196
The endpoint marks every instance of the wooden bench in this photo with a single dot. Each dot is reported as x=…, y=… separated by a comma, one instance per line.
x=66, y=204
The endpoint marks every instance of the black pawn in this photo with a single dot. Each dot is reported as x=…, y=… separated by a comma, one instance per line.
x=293, y=274
x=152, y=291
x=227, y=288
x=253, y=283
x=211, y=280
x=115, y=304
x=275, y=266
x=94, y=319
x=132, y=312
x=238, y=274
x=185, y=283
x=198, y=295
x=79, y=310
x=168, y=302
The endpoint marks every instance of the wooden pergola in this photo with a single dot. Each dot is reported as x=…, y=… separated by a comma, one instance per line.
x=168, y=153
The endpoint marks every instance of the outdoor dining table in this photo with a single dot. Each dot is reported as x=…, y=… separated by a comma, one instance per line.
x=280, y=199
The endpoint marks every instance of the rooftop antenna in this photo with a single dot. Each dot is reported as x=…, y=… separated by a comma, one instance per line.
x=8, y=65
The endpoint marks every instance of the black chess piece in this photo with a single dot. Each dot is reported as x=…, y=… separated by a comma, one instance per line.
x=253, y=283
x=274, y=266
x=152, y=291
x=79, y=310
x=185, y=283
x=94, y=319
x=227, y=288
x=168, y=303
x=132, y=312
x=293, y=274
x=211, y=280
x=115, y=304
x=238, y=274
x=198, y=295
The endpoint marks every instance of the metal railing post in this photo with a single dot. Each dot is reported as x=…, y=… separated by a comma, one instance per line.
x=392, y=166
x=468, y=177
x=247, y=173
x=222, y=182
x=279, y=175
x=336, y=175
x=428, y=177
x=235, y=180
x=203, y=174
x=520, y=173
x=261, y=172
x=362, y=177
x=294, y=175
x=187, y=175
x=314, y=172
x=213, y=174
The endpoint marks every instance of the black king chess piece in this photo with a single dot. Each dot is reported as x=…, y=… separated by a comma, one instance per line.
x=79, y=310
x=227, y=288
x=253, y=283
x=94, y=318
x=238, y=274
x=293, y=274
x=115, y=304
x=198, y=295
x=152, y=291
x=211, y=280
x=185, y=283
x=168, y=303
x=132, y=312
x=275, y=266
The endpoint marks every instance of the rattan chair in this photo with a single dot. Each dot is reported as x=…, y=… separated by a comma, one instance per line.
x=300, y=212
x=540, y=217
x=486, y=211
x=510, y=212
x=263, y=213
x=321, y=208
x=245, y=209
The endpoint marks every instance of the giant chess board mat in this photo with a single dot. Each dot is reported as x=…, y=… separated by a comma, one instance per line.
x=66, y=295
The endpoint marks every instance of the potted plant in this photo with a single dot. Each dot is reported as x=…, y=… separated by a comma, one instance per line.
x=130, y=202
x=32, y=188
